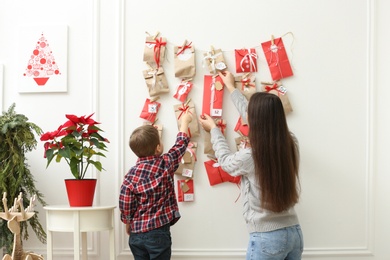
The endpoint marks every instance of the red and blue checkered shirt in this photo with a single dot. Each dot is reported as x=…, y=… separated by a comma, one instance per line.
x=147, y=196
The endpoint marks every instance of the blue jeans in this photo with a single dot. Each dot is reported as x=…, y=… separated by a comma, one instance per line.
x=281, y=244
x=154, y=244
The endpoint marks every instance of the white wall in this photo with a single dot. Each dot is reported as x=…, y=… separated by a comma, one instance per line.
x=338, y=93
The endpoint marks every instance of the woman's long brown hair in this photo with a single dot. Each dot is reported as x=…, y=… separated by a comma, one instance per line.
x=274, y=151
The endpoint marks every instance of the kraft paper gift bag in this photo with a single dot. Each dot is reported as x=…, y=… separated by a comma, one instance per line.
x=156, y=81
x=184, y=61
x=193, y=127
x=208, y=147
x=246, y=84
x=246, y=60
x=185, y=190
x=212, y=96
x=154, y=50
x=281, y=92
x=277, y=59
x=150, y=110
x=214, y=60
x=187, y=164
x=242, y=127
x=182, y=91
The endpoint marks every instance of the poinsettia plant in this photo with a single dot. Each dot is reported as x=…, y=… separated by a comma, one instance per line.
x=78, y=141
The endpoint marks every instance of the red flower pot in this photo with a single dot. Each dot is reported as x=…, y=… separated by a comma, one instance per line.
x=80, y=192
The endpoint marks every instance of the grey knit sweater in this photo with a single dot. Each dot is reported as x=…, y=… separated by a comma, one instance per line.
x=241, y=163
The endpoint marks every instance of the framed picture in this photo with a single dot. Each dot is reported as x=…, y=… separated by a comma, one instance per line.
x=43, y=52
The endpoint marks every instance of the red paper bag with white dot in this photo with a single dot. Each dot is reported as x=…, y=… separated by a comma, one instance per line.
x=277, y=59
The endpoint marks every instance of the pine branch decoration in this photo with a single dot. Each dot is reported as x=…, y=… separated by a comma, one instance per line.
x=17, y=137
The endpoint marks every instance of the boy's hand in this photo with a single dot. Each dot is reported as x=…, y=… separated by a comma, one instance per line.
x=228, y=79
x=128, y=229
x=207, y=122
x=186, y=119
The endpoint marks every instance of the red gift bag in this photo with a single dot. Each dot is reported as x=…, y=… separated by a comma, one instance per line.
x=226, y=177
x=185, y=190
x=246, y=60
x=241, y=127
x=213, y=172
x=150, y=110
x=212, y=96
x=277, y=59
x=182, y=90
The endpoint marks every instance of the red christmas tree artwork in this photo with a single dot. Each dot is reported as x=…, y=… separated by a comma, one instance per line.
x=42, y=64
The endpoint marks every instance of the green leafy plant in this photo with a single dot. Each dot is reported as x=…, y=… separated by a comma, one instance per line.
x=78, y=141
x=17, y=137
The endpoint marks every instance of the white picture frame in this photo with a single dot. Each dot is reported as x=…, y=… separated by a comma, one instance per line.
x=42, y=64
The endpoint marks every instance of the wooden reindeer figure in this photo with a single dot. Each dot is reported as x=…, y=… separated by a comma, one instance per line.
x=14, y=217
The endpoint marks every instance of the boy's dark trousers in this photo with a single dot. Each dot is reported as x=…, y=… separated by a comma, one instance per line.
x=154, y=244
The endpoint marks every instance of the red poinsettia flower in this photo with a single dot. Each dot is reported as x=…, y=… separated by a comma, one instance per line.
x=78, y=141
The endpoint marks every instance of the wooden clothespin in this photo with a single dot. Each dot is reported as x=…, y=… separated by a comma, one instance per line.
x=212, y=49
x=153, y=99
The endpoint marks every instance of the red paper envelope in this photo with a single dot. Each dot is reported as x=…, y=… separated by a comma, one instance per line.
x=246, y=60
x=185, y=190
x=226, y=177
x=212, y=96
x=150, y=110
x=213, y=172
x=277, y=59
x=241, y=127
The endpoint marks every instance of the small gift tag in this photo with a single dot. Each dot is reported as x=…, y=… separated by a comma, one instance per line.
x=218, y=85
x=187, y=172
x=185, y=191
x=187, y=157
x=184, y=187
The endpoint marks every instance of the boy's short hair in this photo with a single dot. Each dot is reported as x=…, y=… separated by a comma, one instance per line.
x=144, y=140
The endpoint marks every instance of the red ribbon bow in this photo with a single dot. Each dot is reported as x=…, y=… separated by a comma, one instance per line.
x=274, y=87
x=221, y=126
x=246, y=82
x=187, y=46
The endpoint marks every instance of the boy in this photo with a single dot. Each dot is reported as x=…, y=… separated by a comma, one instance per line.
x=147, y=199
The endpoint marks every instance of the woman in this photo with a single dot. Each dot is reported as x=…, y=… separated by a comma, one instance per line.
x=268, y=167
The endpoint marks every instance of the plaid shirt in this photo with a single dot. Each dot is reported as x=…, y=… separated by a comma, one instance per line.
x=147, y=196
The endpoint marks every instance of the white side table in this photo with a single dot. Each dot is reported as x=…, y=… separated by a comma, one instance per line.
x=79, y=220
